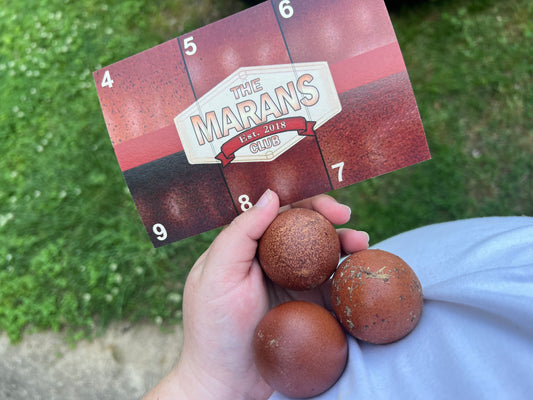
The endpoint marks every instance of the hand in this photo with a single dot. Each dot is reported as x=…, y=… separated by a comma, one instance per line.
x=226, y=296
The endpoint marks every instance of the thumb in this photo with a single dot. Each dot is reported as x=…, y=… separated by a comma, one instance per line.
x=235, y=247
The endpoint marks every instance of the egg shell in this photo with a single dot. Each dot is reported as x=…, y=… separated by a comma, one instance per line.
x=300, y=349
x=300, y=249
x=376, y=296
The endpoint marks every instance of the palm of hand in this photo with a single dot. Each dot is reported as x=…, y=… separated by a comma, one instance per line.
x=318, y=295
x=226, y=295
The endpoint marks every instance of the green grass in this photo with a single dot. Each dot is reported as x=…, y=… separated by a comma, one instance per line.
x=471, y=68
x=74, y=254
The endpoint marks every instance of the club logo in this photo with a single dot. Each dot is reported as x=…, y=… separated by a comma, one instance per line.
x=258, y=113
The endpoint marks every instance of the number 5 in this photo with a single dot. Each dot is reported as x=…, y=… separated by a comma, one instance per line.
x=190, y=46
x=285, y=9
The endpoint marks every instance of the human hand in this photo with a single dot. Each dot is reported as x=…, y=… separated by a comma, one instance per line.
x=226, y=296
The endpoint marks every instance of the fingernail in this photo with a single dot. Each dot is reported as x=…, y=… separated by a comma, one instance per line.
x=348, y=208
x=264, y=199
x=367, y=236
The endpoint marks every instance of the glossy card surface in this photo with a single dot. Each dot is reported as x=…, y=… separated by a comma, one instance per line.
x=299, y=96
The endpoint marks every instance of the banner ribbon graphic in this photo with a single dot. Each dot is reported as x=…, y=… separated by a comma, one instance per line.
x=298, y=124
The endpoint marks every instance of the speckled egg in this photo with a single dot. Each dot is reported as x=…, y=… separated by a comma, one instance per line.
x=376, y=296
x=300, y=349
x=300, y=249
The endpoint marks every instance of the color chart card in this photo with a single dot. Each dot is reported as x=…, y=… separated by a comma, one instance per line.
x=299, y=96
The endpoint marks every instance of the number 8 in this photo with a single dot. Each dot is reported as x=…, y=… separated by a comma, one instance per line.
x=245, y=202
x=285, y=9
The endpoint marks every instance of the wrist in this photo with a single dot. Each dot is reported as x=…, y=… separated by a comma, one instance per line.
x=195, y=383
x=207, y=382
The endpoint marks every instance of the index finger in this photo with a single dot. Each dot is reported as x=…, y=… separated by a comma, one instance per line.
x=326, y=205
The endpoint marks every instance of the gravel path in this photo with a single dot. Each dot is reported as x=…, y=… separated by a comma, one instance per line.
x=123, y=363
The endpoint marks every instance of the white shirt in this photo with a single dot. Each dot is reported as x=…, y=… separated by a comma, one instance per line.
x=475, y=337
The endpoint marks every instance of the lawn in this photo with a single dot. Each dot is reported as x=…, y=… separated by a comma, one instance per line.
x=74, y=254
x=471, y=70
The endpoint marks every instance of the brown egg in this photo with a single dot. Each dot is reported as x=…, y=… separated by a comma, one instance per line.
x=300, y=249
x=376, y=296
x=300, y=349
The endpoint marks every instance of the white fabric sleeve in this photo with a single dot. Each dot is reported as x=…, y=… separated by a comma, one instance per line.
x=475, y=337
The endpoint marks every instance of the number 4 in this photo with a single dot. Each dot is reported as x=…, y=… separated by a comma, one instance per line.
x=107, y=81
x=340, y=166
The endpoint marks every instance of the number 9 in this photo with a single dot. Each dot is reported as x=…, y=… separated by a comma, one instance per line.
x=160, y=231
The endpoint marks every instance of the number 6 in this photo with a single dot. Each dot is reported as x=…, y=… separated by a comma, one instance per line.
x=285, y=9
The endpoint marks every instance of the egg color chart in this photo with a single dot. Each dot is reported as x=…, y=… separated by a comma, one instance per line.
x=299, y=96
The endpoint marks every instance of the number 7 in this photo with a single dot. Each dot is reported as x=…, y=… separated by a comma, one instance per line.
x=340, y=166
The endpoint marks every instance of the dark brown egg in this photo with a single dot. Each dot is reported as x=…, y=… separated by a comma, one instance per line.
x=300, y=349
x=300, y=249
x=376, y=296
